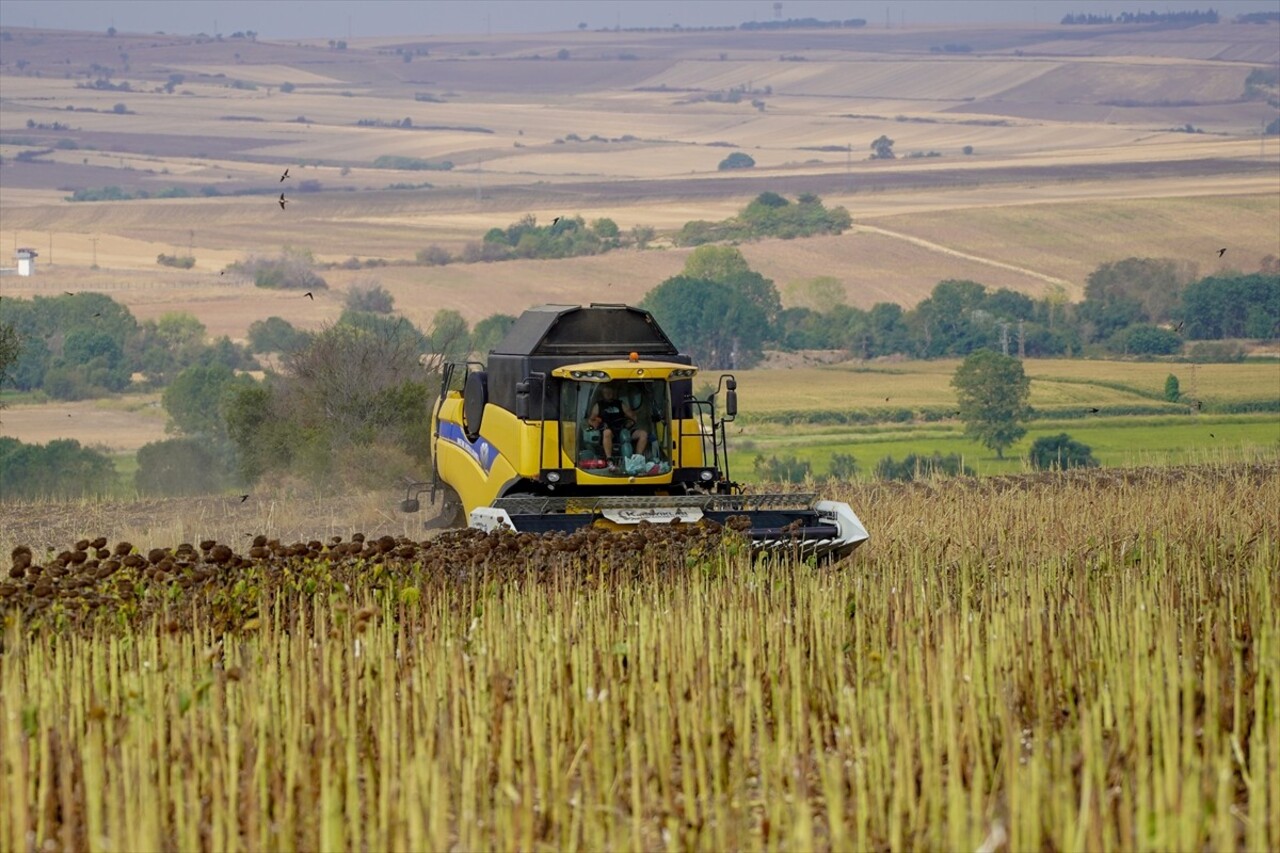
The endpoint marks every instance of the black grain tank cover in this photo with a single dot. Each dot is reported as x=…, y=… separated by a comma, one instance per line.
x=552, y=336
x=587, y=333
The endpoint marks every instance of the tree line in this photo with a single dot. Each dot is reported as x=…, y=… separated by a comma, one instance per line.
x=727, y=314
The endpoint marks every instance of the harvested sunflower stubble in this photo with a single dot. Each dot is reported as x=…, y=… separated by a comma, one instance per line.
x=1075, y=661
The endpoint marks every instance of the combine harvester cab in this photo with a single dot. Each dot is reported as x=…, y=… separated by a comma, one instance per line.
x=586, y=416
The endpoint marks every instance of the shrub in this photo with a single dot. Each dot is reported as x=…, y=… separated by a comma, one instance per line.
x=914, y=466
x=60, y=469
x=373, y=298
x=1145, y=339
x=394, y=161
x=1060, y=452
x=1216, y=352
x=434, y=256
x=788, y=469
x=179, y=466
x=842, y=466
x=736, y=160
x=291, y=269
x=184, y=262
x=275, y=334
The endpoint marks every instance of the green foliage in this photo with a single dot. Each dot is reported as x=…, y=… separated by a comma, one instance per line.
x=1060, y=452
x=606, y=229
x=373, y=298
x=61, y=469
x=769, y=215
x=917, y=466
x=787, y=469
x=1144, y=339
x=92, y=363
x=715, y=263
x=736, y=160
x=992, y=390
x=10, y=348
x=184, y=262
x=180, y=466
x=842, y=467
x=354, y=387
x=1172, y=390
x=275, y=334
x=722, y=324
x=566, y=238
x=1133, y=290
x=413, y=164
x=194, y=398
x=882, y=148
x=1233, y=306
x=292, y=269
x=489, y=332
x=175, y=341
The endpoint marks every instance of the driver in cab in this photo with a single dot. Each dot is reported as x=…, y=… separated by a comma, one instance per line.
x=614, y=417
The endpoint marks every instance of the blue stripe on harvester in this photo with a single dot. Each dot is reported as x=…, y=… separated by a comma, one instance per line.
x=480, y=450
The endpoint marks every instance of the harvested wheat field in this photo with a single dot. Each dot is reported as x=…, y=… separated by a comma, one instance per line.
x=1082, y=661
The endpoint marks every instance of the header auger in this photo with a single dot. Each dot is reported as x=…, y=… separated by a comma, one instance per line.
x=585, y=415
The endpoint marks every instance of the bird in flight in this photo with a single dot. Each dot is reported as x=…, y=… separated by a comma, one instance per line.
x=1222, y=251
x=285, y=175
x=244, y=498
x=283, y=201
x=555, y=222
x=309, y=296
x=1178, y=328
x=1093, y=410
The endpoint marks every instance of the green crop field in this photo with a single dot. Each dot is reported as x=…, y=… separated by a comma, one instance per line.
x=1055, y=384
x=1115, y=442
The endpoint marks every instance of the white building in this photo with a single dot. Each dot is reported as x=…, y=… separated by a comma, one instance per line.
x=27, y=261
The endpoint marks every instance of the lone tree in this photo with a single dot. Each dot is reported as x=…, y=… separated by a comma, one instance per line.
x=737, y=160
x=992, y=390
x=882, y=148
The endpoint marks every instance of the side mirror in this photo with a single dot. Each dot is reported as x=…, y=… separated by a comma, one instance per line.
x=522, y=400
x=409, y=505
x=731, y=401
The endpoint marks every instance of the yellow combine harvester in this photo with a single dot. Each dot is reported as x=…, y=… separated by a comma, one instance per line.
x=586, y=416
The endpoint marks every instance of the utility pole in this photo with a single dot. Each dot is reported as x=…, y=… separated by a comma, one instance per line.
x=94, y=241
x=1022, y=339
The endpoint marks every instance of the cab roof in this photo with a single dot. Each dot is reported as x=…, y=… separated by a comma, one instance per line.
x=592, y=331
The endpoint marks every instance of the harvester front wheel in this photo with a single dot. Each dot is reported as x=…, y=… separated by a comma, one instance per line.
x=448, y=510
